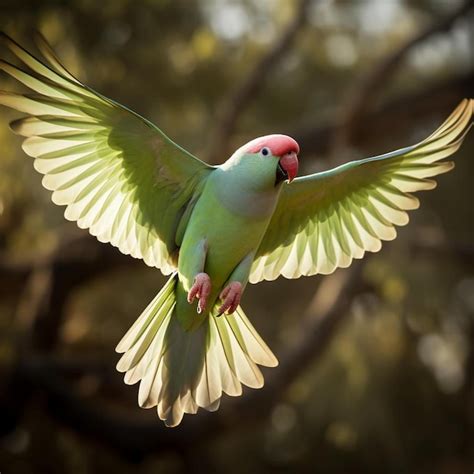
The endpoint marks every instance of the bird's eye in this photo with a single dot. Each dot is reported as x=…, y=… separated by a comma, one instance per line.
x=265, y=151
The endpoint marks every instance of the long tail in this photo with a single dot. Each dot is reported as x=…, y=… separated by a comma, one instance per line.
x=181, y=371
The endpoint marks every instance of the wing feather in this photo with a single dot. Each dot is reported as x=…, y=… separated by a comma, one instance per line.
x=325, y=220
x=117, y=174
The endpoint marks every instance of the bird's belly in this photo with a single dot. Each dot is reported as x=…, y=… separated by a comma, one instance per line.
x=229, y=239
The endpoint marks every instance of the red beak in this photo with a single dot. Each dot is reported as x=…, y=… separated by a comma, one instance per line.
x=289, y=164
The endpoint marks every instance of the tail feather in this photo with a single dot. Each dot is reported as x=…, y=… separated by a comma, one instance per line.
x=181, y=371
x=135, y=373
x=250, y=340
x=238, y=361
x=228, y=378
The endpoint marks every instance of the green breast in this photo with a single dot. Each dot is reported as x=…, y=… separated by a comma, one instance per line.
x=231, y=232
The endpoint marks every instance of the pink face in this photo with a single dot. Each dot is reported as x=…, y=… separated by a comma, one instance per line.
x=282, y=146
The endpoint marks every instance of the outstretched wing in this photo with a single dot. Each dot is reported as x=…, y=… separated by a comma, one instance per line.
x=118, y=174
x=324, y=220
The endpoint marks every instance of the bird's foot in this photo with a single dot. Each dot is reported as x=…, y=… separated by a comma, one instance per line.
x=230, y=296
x=201, y=289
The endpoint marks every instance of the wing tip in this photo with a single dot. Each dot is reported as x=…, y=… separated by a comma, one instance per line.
x=272, y=361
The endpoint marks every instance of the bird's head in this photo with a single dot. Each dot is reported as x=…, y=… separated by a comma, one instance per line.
x=272, y=157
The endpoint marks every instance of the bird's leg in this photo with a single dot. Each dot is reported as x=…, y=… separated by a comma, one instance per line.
x=232, y=292
x=200, y=289
x=230, y=297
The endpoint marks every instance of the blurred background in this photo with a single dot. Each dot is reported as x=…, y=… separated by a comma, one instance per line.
x=377, y=361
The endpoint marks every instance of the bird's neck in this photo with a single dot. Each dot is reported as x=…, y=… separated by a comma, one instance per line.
x=242, y=195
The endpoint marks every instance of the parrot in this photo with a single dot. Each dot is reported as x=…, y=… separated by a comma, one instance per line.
x=212, y=229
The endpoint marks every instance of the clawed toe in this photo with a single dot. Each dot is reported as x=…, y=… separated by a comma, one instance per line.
x=201, y=289
x=230, y=296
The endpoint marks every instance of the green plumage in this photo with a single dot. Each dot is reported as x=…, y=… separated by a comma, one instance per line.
x=124, y=180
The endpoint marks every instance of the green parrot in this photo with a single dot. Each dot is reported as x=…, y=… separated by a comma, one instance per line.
x=212, y=228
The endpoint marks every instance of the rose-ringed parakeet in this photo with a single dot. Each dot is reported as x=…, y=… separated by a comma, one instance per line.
x=212, y=228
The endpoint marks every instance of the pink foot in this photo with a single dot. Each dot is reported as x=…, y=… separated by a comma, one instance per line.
x=230, y=296
x=200, y=289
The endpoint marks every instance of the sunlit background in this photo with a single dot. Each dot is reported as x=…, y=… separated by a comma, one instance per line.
x=384, y=381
